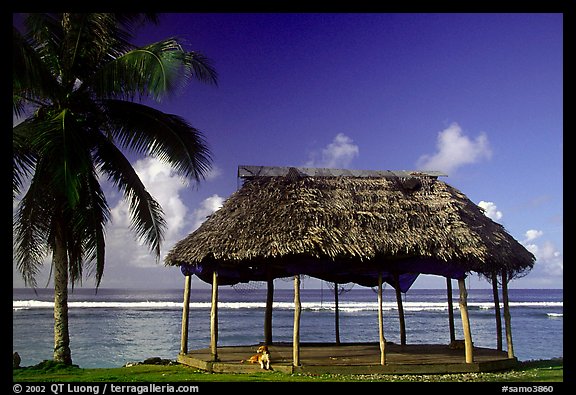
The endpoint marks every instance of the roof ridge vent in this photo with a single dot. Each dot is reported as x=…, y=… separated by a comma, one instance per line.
x=294, y=174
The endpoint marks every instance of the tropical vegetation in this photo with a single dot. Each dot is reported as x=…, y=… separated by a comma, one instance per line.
x=80, y=93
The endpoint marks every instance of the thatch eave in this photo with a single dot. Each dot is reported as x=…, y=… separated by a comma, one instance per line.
x=356, y=224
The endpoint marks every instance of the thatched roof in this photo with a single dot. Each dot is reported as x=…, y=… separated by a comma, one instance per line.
x=348, y=228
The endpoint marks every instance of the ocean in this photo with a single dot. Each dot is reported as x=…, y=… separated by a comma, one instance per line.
x=112, y=327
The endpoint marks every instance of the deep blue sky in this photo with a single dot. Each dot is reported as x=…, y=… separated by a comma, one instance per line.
x=479, y=96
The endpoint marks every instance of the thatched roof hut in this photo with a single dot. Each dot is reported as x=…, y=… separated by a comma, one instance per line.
x=365, y=227
x=347, y=226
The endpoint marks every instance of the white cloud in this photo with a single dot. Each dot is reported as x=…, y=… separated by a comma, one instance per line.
x=165, y=186
x=491, y=210
x=213, y=173
x=532, y=234
x=128, y=261
x=549, y=261
x=207, y=207
x=548, y=258
x=454, y=149
x=338, y=154
x=551, y=258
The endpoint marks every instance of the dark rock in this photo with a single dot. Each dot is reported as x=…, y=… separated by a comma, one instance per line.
x=16, y=360
x=151, y=361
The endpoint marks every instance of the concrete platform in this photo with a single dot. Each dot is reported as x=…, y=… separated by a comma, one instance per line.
x=353, y=358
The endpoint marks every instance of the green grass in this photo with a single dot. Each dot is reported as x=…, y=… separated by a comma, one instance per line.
x=48, y=371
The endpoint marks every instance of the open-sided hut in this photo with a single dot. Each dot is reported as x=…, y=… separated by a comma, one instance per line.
x=342, y=226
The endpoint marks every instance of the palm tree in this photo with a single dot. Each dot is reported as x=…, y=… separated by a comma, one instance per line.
x=78, y=84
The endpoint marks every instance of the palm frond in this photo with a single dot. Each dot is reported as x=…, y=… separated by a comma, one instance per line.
x=45, y=35
x=168, y=137
x=200, y=67
x=32, y=81
x=151, y=71
x=23, y=159
x=91, y=40
x=97, y=215
x=146, y=215
x=32, y=229
x=131, y=20
x=65, y=152
x=86, y=231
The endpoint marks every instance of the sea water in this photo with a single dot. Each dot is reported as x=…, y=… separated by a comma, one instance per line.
x=112, y=327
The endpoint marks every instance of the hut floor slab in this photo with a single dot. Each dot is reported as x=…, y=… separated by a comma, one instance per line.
x=353, y=358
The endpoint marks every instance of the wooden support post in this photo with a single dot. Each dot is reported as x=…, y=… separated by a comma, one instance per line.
x=336, y=314
x=381, y=323
x=450, y=309
x=465, y=321
x=214, y=318
x=297, y=310
x=507, y=322
x=268, y=312
x=497, y=312
x=185, y=316
x=400, y=310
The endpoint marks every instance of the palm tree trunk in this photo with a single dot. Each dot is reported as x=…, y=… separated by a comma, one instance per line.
x=62, y=351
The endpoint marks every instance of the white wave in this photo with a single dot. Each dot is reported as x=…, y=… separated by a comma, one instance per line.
x=349, y=307
x=555, y=315
x=490, y=305
x=536, y=304
x=37, y=304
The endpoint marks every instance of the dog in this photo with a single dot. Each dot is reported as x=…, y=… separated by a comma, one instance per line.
x=457, y=345
x=262, y=357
